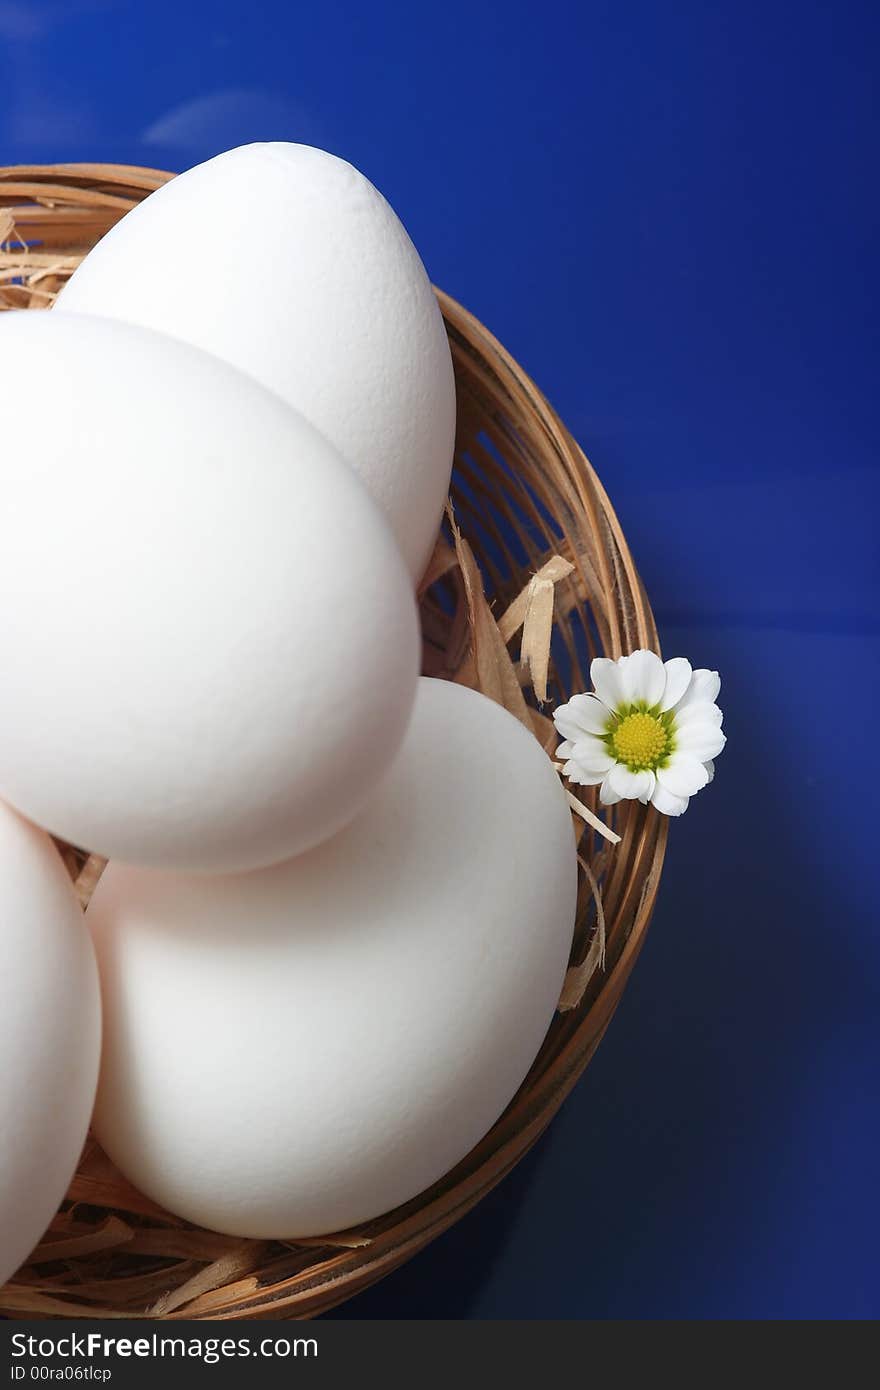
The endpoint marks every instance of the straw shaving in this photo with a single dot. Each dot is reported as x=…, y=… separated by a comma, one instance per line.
x=245, y=1257
x=106, y=1236
x=587, y=815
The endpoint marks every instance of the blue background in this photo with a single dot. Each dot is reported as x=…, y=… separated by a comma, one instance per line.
x=668, y=212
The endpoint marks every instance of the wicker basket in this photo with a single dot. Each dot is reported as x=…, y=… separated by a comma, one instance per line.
x=522, y=493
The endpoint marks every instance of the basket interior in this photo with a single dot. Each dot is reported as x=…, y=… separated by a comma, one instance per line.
x=522, y=492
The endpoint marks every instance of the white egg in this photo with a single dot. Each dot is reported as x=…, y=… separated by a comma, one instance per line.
x=287, y=262
x=50, y=1036
x=293, y=1051
x=210, y=643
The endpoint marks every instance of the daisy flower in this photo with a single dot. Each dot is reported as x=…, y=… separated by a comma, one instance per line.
x=648, y=731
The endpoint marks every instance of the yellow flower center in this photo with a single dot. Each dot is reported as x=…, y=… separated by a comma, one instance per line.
x=641, y=741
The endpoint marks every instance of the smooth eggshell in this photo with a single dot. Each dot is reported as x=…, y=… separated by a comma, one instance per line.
x=291, y=1052
x=287, y=262
x=50, y=1036
x=210, y=643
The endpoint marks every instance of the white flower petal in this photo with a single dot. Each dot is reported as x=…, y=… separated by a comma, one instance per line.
x=606, y=678
x=649, y=790
x=607, y=795
x=583, y=714
x=683, y=776
x=701, y=712
x=699, y=740
x=631, y=786
x=667, y=803
x=565, y=749
x=590, y=752
x=643, y=677
x=581, y=777
x=566, y=724
x=704, y=685
x=678, y=678
x=710, y=771
x=575, y=773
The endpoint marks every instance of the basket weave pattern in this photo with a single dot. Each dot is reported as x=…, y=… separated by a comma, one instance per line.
x=522, y=493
